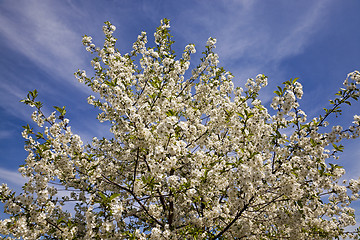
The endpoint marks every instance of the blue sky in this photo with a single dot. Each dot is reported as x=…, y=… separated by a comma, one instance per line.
x=40, y=44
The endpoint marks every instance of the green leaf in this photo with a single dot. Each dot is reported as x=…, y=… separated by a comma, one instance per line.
x=242, y=116
x=27, y=127
x=103, y=197
x=40, y=135
x=171, y=113
x=113, y=196
x=313, y=143
x=33, y=94
x=38, y=104
x=277, y=93
x=334, y=166
x=339, y=148
x=62, y=110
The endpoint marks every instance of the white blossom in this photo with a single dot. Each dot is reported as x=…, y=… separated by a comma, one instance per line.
x=191, y=156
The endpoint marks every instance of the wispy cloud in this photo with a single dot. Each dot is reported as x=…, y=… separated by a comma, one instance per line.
x=300, y=33
x=251, y=32
x=10, y=100
x=5, y=134
x=42, y=34
x=39, y=33
x=251, y=36
x=12, y=177
x=350, y=159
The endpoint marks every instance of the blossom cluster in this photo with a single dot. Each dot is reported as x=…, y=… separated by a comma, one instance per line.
x=191, y=156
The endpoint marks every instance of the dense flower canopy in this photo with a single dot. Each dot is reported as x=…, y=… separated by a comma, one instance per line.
x=191, y=157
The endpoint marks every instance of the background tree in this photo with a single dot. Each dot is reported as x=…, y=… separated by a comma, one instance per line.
x=190, y=158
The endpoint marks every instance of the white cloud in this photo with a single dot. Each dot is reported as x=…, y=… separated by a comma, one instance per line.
x=251, y=34
x=5, y=134
x=350, y=159
x=300, y=34
x=256, y=33
x=36, y=29
x=12, y=178
x=10, y=100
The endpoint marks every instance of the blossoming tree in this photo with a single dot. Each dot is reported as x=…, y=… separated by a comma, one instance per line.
x=190, y=156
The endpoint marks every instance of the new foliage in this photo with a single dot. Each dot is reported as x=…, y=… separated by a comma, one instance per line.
x=190, y=158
